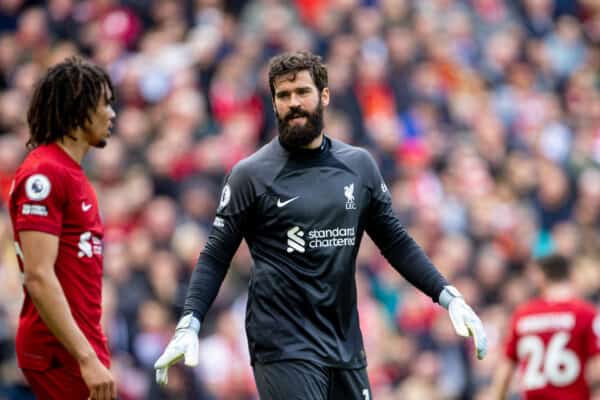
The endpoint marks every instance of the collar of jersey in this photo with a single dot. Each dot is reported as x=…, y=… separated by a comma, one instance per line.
x=310, y=153
x=63, y=156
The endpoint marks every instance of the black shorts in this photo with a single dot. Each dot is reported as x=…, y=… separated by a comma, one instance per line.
x=302, y=380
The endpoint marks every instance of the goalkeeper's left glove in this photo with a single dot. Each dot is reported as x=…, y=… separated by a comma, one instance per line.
x=465, y=321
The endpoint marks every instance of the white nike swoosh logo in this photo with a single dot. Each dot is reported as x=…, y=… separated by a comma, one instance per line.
x=285, y=203
x=85, y=207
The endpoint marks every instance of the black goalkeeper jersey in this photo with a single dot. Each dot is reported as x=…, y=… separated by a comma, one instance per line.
x=303, y=215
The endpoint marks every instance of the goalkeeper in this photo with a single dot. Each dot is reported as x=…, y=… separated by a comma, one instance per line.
x=302, y=203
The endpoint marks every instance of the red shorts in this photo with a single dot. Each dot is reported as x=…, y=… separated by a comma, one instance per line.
x=56, y=383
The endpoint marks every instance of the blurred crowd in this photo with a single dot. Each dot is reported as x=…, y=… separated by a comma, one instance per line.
x=484, y=116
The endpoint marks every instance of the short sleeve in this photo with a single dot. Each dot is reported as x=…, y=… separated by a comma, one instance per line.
x=39, y=200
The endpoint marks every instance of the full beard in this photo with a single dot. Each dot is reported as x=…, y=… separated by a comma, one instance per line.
x=299, y=136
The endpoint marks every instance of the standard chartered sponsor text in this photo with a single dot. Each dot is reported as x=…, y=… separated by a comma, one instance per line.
x=335, y=237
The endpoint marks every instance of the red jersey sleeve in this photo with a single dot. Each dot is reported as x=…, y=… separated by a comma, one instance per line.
x=39, y=199
x=510, y=343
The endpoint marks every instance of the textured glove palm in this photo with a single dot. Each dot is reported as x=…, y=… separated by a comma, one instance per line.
x=464, y=320
x=183, y=345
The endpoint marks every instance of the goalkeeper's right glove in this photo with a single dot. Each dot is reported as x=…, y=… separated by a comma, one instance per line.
x=183, y=345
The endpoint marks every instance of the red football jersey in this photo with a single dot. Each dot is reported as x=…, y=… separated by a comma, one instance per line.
x=51, y=194
x=551, y=342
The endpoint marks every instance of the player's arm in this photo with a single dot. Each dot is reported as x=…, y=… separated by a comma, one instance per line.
x=394, y=241
x=592, y=371
x=592, y=365
x=213, y=263
x=206, y=280
x=409, y=259
x=39, y=256
x=502, y=379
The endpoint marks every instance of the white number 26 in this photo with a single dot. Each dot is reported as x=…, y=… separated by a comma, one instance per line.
x=556, y=364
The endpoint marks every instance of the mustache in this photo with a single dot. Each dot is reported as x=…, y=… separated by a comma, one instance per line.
x=295, y=114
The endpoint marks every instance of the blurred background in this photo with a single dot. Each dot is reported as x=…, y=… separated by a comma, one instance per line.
x=484, y=117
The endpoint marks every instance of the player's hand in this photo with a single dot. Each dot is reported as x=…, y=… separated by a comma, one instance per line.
x=183, y=345
x=464, y=320
x=98, y=379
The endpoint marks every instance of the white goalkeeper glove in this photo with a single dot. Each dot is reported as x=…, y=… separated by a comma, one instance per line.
x=466, y=323
x=183, y=345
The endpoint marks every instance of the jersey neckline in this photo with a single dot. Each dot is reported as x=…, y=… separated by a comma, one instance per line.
x=307, y=154
x=63, y=156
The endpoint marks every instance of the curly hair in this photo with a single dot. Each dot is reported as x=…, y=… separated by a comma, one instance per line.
x=295, y=62
x=64, y=100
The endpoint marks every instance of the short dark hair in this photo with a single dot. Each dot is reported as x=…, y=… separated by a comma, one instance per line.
x=295, y=62
x=64, y=99
x=555, y=267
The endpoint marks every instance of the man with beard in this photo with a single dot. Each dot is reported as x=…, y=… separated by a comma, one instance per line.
x=58, y=236
x=302, y=203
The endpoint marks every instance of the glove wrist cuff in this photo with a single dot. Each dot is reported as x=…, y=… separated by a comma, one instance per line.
x=448, y=294
x=188, y=321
